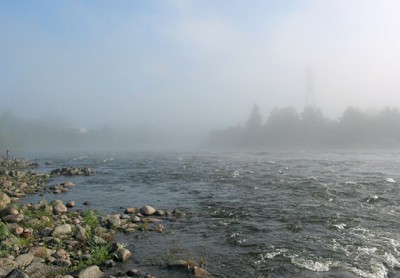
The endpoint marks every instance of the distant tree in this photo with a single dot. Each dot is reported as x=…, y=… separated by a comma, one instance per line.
x=254, y=121
x=252, y=128
x=282, y=127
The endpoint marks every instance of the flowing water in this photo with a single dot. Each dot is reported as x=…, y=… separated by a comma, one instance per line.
x=270, y=214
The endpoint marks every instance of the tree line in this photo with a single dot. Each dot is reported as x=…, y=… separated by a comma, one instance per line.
x=286, y=128
x=18, y=134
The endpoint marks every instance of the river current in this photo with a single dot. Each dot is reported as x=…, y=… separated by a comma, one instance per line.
x=253, y=214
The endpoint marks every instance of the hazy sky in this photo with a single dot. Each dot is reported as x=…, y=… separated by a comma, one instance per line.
x=200, y=63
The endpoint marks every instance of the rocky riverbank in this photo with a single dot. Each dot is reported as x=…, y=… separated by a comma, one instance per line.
x=52, y=239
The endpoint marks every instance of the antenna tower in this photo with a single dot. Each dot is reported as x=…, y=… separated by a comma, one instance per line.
x=309, y=93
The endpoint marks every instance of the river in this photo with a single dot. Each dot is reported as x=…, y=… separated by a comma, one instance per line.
x=252, y=214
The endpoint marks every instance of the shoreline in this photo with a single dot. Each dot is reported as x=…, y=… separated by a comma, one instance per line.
x=55, y=240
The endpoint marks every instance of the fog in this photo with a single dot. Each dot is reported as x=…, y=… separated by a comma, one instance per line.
x=183, y=68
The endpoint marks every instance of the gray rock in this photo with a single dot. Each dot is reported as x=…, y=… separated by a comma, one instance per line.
x=16, y=273
x=62, y=262
x=80, y=233
x=6, y=265
x=13, y=218
x=61, y=254
x=123, y=254
x=91, y=272
x=40, y=270
x=113, y=221
x=64, y=229
x=10, y=210
x=4, y=200
x=24, y=260
x=60, y=208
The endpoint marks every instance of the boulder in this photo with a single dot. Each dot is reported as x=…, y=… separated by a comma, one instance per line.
x=24, y=260
x=147, y=210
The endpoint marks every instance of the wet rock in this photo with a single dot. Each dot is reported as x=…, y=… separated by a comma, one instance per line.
x=201, y=272
x=130, y=210
x=147, y=210
x=178, y=264
x=24, y=260
x=152, y=220
x=160, y=213
x=70, y=204
x=68, y=184
x=134, y=272
x=16, y=273
x=71, y=171
x=91, y=272
x=87, y=203
x=110, y=263
x=123, y=254
x=64, y=229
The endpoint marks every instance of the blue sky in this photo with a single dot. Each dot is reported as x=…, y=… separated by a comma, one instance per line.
x=200, y=63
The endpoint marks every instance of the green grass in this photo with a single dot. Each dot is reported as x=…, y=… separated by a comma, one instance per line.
x=4, y=232
x=91, y=218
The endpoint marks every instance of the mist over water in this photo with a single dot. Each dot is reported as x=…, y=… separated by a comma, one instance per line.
x=187, y=67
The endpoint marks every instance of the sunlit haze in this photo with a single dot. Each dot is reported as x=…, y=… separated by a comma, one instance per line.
x=194, y=65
